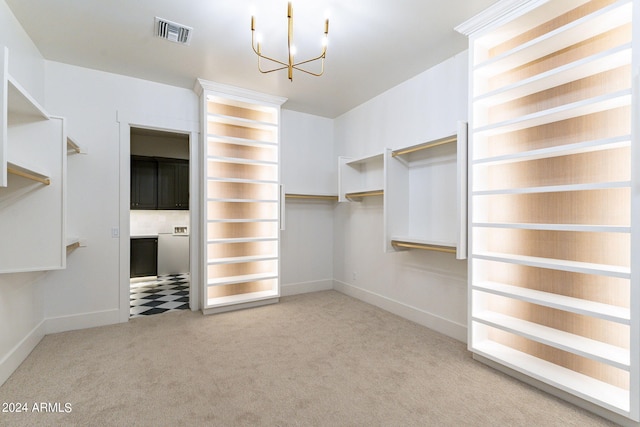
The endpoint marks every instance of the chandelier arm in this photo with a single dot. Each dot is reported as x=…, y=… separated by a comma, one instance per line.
x=322, y=56
x=310, y=72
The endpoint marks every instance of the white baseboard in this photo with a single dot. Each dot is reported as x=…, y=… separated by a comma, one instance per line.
x=19, y=353
x=81, y=321
x=431, y=321
x=306, y=287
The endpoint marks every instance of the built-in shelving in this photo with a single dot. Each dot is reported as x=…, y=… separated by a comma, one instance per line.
x=552, y=208
x=360, y=177
x=425, y=201
x=242, y=198
x=32, y=180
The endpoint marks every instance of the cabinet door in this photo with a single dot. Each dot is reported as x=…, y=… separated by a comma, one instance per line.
x=144, y=183
x=173, y=184
x=144, y=257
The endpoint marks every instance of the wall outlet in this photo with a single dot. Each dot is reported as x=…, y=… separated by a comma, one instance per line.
x=115, y=232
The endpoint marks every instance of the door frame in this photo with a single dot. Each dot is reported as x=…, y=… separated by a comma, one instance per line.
x=127, y=120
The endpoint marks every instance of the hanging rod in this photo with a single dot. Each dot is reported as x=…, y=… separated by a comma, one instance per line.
x=311, y=196
x=426, y=145
x=364, y=194
x=424, y=246
x=25, y=173
x=73, y=146
x=72, y=246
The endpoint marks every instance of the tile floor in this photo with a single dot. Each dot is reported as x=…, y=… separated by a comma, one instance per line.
x=162, y=294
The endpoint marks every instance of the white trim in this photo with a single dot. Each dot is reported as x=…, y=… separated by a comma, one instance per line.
x=501, y=11
x=234, y=91
x=414, y=314
x=73, y=322
x=20, y=351
x=306, y=287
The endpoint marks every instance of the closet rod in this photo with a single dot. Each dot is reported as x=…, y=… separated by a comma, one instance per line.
x=426, y=145
x=424, y=246
x=75, y=147
x=364, y=194
x=28, y=174
x=311, y=196
x=73, y=246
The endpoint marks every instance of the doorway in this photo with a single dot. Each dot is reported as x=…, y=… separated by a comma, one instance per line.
x=173, y=146
x=159, y=222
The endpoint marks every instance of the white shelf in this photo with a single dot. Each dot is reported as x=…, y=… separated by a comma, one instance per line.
x=366, y=159
x=592, y=65
x=241, y=180
x=557, y=227
x=583, y=386
x=574, y=305
x=21, y=103
x=559, y=150
x=565, y=341
x=247, y=278
x=557, y=264
x=242, y=200
x=556, y=188
x=242, y=240
x=241, y=220
x=212, y=137
x=589, y=26
x=240, y=121
x=241, y=259
x=241, y=298
x=240, y=161
x=557, y=114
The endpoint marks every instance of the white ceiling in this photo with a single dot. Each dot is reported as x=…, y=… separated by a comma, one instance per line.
x=373, y=44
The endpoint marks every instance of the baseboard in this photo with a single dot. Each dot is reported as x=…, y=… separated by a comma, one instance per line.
x=306, y=287
x=19, y=353
x=81, y=321
x=431, y=321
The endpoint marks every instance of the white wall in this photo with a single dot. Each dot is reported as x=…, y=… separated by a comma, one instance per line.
x=308, y=167
x=427, y=287
x=21, y=300
x=87, y=293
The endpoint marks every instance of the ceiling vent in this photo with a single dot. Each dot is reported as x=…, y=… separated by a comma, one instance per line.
x=172, y=31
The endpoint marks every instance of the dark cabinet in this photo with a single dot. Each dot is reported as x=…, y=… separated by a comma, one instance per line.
x=144, y=257
x=144, y=183
x=173, y=184
x=159, y=183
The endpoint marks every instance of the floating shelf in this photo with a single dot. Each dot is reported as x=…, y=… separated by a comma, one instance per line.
x=240, y=121
x=556, y=188
x=241, y=259
x=212, y=137
x=241, y=279
x=558, y=227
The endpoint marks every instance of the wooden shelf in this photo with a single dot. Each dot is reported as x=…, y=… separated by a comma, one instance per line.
x=585, y=387
x=241, y=259
x=556, y=264
x=224, y=200
x=242, y=240
x=324, y=197
x=556, y=188
x=241, y=298
x=574, y=305
x=240, y=121
x=565, y=341
x=241, y=180
x=241, y=161
x=240, y=141
x=240, y=220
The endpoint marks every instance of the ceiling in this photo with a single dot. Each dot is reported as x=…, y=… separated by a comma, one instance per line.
x=373, y=44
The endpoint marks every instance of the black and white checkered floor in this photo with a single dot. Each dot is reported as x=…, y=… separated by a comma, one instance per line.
x=164, y=293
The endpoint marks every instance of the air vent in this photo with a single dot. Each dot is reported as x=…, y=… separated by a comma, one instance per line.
x=172, y=31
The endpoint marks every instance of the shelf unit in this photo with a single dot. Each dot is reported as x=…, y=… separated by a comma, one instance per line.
x=360, y=178
x=242, y=197
x=32, y=180
x=425, y=206
x=553, y=291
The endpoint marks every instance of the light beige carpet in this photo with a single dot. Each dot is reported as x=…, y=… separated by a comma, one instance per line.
x=317, y=359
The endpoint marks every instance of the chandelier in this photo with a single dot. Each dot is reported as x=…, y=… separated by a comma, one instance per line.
x=290, y=65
